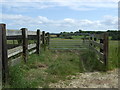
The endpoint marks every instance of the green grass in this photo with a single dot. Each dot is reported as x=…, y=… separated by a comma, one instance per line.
x=91, y=61
x=49, y=67
x=113, y=57
x=113, y=54
x=77, y=37
x=52, y=66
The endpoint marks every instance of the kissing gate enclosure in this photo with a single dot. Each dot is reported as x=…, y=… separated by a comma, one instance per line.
x=16, y=45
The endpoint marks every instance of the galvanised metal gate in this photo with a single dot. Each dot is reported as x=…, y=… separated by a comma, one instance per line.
x=63, y=43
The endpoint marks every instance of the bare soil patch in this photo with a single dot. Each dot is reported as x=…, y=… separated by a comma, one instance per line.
x=96, y=79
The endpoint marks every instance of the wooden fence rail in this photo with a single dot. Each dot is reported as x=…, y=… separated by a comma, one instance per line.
x=99, y=44
x=11, y=54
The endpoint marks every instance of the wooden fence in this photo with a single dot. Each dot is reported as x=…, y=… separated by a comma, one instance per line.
x=99, y=44
x=11, y=54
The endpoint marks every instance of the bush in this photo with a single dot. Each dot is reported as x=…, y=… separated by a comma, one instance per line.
x=68, y=37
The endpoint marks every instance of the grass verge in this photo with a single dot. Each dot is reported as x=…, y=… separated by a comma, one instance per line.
x=49, y=67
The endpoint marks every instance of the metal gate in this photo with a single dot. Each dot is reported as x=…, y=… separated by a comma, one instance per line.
x=59, y=43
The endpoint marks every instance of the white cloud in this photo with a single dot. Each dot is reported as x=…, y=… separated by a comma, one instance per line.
x=69, y=20
x=109, y=20
x=59, y=1
x=43, y=19
x=83, y=5
x=88, y=4
x=67, y=24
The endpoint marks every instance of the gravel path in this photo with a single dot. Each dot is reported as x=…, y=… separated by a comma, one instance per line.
x=90, y=80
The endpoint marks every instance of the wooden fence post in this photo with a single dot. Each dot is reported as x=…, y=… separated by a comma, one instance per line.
x=48, y=38
x=43, y=37
x=5, y=70
x=95, y=39
x=43, y=40
x=90, y=40
x=105, y=49
x=84, y=39
x=38, y=42
x=101, y=41
x=0, y=57
x=25, y=44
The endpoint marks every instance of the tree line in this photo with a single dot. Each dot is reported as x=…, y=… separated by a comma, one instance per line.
x=114, y=34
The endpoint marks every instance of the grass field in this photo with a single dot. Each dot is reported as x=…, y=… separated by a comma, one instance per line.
x=114, y=54
x=54, y=65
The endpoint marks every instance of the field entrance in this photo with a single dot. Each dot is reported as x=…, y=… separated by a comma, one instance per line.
x=58, y=42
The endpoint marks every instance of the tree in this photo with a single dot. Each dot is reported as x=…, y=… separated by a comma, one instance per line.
x=80, y=31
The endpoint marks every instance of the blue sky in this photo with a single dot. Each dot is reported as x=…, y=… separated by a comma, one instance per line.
x=60, y=15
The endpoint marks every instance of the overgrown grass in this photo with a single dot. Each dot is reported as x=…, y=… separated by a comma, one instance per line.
x=91, y=61
x=49, y=67
x=65, y=63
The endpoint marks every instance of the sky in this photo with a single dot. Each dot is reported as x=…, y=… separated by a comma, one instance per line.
x=60, y=15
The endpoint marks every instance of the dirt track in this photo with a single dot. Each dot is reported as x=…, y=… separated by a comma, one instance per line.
x=90, y=80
